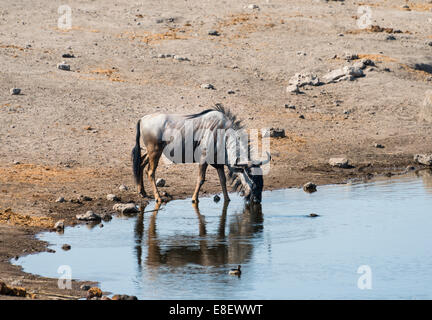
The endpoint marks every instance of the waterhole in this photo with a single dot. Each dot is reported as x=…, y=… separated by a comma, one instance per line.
x=369, y=241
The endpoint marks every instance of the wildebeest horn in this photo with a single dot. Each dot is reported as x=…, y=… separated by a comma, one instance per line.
x=240, y=164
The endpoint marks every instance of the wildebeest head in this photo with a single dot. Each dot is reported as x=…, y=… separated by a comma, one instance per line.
x=250, y=179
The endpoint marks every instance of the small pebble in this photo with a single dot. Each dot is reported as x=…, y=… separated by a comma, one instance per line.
x=123, y=188
x=63, y=66
x=160, y=182
x=15, y=91
x=60, y=200
x=207, y=86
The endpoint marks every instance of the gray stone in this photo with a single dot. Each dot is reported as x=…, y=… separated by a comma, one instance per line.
x=334, y=75
x=60, y=200
x=180, y=58
x=123, y=188
x=207, y=86
x=253, y=6
x=160, y=182
x=59, y=225
x=275, y=133
x=339, y=162
x=425, y=159
x=353, y=71
x=350, y=56
x=15, y=91
x=293, y=89
x=63, y=66
x=216, y=198
x=303, y=79
x=310, y=187
x=126, y=208
x=112, y=197
x=66, y=247
x=88, y=216
x=345, y=73
x=82, y=197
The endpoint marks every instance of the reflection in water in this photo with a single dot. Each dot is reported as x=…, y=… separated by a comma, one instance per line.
x=426, y=176
x=203, y=249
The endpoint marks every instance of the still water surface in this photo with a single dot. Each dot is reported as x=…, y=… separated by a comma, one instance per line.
x=182, y=252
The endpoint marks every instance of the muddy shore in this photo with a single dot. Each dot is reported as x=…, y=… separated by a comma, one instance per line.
x=70, y=133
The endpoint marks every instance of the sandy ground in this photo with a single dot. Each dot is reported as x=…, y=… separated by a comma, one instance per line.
x=72, y=131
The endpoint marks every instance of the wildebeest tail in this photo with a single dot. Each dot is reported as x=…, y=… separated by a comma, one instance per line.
x=136, y=155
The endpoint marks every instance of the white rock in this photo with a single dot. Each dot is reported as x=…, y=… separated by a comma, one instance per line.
x=88, y=216
x=59, y=225
x=293, y=88
x=126, y=208
x=353, y=71
x=63, y=66
x=207, y=86
x=60, y=199
x=112, y=197
x=339, y=162
x=180, y=58
x=425, y=159
x=334, y=75
x=303, y=79
x=123, y=188
x=253, y=6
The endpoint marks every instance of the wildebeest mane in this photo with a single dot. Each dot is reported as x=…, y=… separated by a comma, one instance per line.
x=236, y=124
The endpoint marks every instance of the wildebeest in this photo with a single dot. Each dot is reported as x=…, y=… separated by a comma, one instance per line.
x=210, y=137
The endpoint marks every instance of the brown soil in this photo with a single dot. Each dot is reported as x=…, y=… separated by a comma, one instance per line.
x=72, y=132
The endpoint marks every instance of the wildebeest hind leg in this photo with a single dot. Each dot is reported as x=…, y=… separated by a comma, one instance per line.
x=153, y=160
x=144, y=162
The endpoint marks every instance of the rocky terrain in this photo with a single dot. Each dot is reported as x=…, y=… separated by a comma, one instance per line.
x=343, y=80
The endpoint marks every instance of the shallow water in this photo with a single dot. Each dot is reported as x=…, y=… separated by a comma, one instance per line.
x=184, y=253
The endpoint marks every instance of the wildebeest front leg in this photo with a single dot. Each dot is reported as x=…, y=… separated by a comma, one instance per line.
x=222, y=179
x=200, y=181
